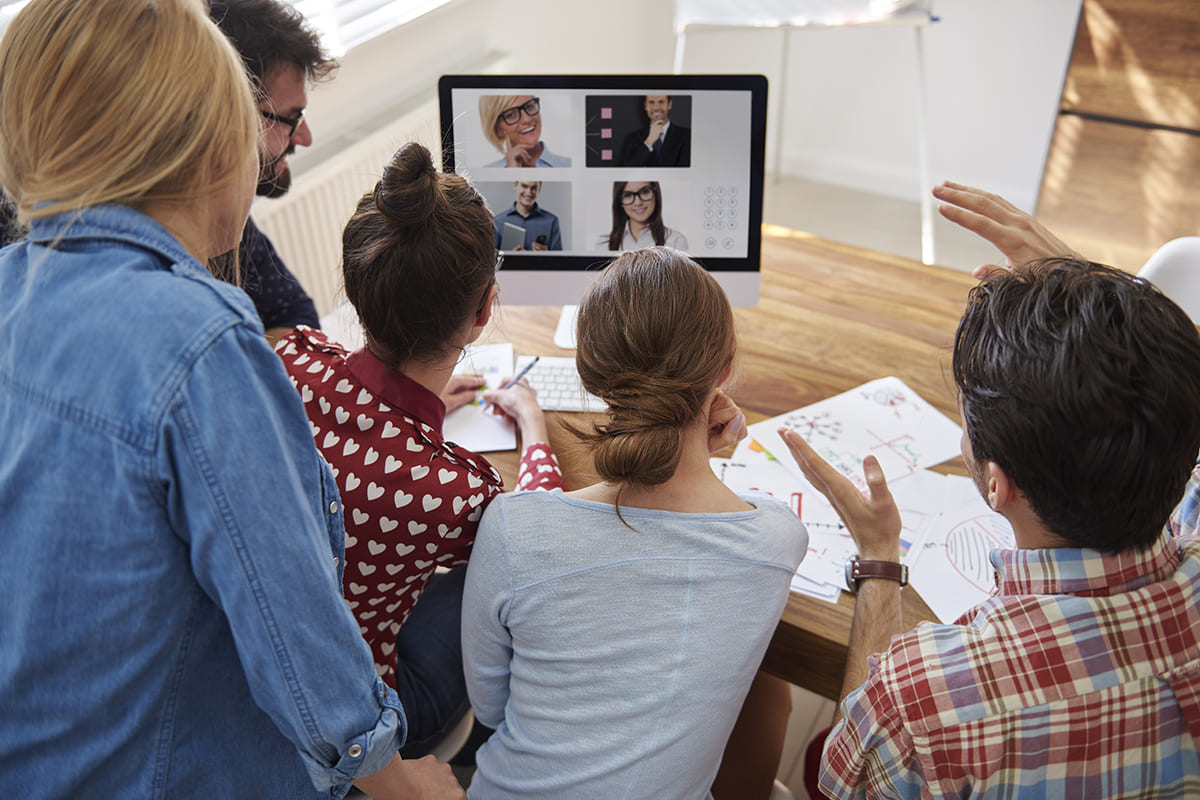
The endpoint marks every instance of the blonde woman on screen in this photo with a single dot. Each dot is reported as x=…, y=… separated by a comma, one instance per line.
x=513, y=125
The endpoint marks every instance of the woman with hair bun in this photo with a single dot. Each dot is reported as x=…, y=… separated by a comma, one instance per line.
x=172, y=622
x=419, y=264
x=611, y=633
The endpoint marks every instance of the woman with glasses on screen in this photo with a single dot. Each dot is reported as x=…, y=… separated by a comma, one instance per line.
x=419, y=264
x=513, y=125
x=637, y=219
x=172, y=623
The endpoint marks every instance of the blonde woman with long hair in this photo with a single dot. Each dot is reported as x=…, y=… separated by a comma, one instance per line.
x=172, y=624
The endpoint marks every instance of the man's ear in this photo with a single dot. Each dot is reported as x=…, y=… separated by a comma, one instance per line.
x=999, y=490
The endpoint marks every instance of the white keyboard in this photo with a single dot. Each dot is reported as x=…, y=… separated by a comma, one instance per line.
x=558, y=386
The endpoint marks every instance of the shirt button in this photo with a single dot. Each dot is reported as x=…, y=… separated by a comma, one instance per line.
x=333, y=507
x=335, y=560
x=355, y=751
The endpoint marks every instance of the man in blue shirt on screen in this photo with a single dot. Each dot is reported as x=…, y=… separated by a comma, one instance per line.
x=541, y=227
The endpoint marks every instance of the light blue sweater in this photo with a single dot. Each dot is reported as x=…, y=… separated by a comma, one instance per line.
x=613, y=662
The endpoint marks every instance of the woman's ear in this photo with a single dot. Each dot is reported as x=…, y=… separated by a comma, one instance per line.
x=485, y=312
x=725, y=373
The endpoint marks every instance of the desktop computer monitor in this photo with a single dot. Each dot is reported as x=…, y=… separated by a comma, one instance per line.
x=567, y=166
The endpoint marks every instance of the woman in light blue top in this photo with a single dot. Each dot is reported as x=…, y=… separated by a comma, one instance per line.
x=611, y=633
x=172, y=622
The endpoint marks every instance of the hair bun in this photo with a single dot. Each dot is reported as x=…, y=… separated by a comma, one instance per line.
x=407, y=194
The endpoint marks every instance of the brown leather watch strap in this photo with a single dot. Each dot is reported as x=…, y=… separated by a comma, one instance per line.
x=858, y=570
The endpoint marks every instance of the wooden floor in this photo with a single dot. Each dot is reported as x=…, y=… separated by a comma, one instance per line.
x=1123, y=174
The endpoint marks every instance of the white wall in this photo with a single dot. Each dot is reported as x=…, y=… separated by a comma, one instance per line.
x=994, y=74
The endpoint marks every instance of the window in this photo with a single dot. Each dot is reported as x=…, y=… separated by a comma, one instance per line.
x=344, y=24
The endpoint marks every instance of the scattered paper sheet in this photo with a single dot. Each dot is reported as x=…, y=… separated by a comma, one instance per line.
x=954, y=571
x=883, y=417
x=469, y=426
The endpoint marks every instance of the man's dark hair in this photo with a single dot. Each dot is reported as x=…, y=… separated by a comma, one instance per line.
x=1082, y=383
x=268, y=33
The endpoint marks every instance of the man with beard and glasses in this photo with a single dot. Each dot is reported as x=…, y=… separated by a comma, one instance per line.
x=282, y=55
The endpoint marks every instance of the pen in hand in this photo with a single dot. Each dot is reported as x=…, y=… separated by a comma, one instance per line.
x=511, y=382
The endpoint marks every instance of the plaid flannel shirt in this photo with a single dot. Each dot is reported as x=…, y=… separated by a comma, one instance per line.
x=1079, y=678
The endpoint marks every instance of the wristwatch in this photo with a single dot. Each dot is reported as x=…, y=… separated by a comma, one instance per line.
x=857, y=571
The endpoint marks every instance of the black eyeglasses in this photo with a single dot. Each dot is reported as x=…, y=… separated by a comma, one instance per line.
x=645, y=194
x=291, y=122
x=511, y=116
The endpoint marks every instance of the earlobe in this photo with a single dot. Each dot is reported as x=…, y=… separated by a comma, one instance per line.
x=1000, y=489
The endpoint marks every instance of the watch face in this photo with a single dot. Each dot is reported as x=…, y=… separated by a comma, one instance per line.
x=851, y=584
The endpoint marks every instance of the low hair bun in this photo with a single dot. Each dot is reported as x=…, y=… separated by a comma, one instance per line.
x=655, y=337
x=407, y=194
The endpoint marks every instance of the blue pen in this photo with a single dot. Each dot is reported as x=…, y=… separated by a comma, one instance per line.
x=513, y=380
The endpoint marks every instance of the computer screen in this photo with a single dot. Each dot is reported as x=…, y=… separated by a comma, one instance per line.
x=576, y=168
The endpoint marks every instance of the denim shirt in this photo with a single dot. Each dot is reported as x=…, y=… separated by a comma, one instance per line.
x=171, y=614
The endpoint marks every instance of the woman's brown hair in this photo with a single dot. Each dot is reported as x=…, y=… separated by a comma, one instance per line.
x=418, y=258
x=655, y=335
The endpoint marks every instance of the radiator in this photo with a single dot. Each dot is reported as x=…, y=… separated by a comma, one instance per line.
x=306, y=224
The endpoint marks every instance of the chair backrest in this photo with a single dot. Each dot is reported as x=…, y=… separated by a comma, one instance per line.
x=1175, y=269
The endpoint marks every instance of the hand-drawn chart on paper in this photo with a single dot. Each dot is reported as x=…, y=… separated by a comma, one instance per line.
x=955, y=571
x=883, y=418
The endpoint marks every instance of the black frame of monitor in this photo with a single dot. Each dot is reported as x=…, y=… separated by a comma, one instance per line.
x=672, y=84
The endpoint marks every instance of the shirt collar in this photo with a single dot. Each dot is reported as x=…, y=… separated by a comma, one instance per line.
x=1083, y=571
x=397, y=389
x=533, y=211
x=119, y=223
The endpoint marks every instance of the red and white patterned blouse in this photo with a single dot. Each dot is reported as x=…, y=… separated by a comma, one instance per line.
x=412, y=500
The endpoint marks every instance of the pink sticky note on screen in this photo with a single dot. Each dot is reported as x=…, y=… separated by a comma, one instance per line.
x=606, y=155
x=606, y=133
x=606, y=112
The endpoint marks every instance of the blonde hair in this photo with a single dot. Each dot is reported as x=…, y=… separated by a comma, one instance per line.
x=490, y=106
x=655, y=334
x=130, y=102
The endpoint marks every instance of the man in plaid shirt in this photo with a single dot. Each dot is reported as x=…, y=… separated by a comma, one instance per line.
x=1079, y=389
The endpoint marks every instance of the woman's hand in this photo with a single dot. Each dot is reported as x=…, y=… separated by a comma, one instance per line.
x=726, y=423
x=460, y=390
x=519, y=403
x=519, y=155
x=873, y=520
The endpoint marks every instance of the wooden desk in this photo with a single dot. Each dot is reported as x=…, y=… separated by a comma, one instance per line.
x=830, y=317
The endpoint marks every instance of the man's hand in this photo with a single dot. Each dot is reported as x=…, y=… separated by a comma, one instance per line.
x=538, y=246
x=726, y=423
x=460, y=390
x=656, y=131
x=874, y=520
x=407, y=779
x=1014, y=233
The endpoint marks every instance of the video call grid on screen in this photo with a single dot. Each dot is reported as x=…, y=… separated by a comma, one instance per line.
x=711, y=194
